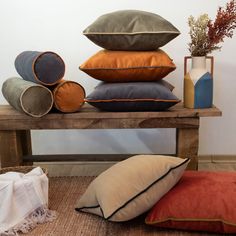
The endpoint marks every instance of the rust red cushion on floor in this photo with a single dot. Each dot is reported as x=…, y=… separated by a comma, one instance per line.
x=203, y=201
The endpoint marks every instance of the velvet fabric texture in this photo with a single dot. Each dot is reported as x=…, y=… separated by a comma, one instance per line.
x=131, y=30
x=131, y=187
x=46, y=68
x=68, y=96
x=133, y=96
x=128, y=66
x=33, y=99
x=201, y=201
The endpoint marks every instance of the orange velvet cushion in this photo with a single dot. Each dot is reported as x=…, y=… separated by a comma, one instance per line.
x=201, y=201
x=68, y=96
x=128, y=66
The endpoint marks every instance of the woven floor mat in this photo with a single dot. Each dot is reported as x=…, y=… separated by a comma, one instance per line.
x=63, y=195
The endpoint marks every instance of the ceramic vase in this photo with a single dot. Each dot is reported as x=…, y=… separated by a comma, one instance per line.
x=198, y=83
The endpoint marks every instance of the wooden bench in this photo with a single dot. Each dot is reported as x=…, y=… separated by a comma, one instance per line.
x=15, y=139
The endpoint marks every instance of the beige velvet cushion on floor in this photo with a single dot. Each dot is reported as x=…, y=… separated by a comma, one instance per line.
x=131, y=187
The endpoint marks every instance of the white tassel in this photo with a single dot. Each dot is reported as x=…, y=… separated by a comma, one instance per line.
x=39, y=216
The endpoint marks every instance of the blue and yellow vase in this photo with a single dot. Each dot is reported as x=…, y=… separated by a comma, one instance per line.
x=198, y=84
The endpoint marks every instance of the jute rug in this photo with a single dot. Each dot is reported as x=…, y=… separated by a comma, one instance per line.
x=63, y=194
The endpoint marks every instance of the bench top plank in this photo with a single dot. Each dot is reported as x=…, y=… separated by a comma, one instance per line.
x=91, y=118
x=89, y=112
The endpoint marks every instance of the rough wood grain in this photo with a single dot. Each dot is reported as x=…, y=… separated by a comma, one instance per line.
x=24, y=137
x=82, y=123
x=89, y=112
x=187, y=146
x=10, y=149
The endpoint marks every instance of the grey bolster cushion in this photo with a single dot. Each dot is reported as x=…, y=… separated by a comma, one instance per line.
x=33, y=99
x=45, y=68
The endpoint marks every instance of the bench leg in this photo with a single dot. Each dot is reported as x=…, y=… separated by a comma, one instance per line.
x=24, y=137
x=13, y=145
x=187, y=145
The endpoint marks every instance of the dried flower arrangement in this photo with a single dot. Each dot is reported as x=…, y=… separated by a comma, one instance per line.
x=206, y=34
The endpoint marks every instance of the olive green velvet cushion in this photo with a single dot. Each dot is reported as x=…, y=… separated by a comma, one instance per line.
x=28, y=97
x=131, y=30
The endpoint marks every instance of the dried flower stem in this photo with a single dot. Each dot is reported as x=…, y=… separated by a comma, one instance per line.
x=206, y=34
x=198, y=34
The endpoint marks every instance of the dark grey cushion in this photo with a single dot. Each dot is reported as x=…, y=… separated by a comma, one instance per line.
x=45, y=68
x=131, y=30
x=135, y=96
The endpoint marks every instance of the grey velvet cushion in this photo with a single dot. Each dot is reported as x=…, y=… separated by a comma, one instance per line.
x=131, y=30
x=33, y=99
x=45, y=68
x=134, y=96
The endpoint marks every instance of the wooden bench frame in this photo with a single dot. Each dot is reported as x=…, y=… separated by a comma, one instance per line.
x=15, y=139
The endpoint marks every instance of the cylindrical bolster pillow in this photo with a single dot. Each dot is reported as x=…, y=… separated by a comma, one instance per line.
x=45, y=68
x=33, y=99
x=68, y=96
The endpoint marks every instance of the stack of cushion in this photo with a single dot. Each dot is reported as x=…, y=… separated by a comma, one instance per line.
x=131, y=65
x=42, y=85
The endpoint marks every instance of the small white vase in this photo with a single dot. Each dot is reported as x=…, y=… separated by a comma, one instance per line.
x=198, y=84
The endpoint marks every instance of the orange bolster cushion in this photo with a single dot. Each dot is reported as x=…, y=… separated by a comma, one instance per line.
x=128, y=66
x=68, y=96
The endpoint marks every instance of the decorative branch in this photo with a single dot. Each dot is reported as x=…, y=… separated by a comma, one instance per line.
x=198, y=34
x=206, y=35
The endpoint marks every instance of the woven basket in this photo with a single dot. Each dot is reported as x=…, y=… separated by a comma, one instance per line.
x=21, y=169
